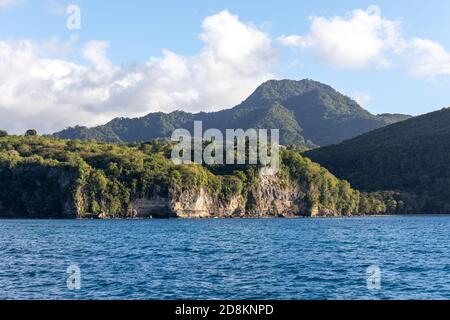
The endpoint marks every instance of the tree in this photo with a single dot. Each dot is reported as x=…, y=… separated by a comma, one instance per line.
x=31, y=132
x=3, y=133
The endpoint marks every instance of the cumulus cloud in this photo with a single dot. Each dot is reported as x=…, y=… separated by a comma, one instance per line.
x=50, y=93
x=362, y=98
x=365, y=39
x=429, y=59
x=43, y=93
x=360, y=40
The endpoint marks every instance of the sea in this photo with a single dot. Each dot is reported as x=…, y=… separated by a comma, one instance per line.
x=373, y=258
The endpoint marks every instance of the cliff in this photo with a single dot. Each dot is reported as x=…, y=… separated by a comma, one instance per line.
x=52, y=178
x=269, y=198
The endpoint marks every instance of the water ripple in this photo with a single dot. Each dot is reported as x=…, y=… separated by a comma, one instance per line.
x=227, y=259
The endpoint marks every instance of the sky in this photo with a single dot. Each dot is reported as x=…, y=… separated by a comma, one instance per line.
x=66, y=63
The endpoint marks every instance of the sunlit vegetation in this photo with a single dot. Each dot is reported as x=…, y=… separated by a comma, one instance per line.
x=308, y=114
x=48, y=177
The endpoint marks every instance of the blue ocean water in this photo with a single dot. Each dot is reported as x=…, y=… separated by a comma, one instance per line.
x=226, y=259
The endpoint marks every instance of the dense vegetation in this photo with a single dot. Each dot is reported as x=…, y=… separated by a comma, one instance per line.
x=410, y=157
x=48, y=177
x=308, y=113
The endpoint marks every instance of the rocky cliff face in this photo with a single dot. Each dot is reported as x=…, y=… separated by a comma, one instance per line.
x=50, y=178
x=272, y=197
x=187, y=204
x=269, y=198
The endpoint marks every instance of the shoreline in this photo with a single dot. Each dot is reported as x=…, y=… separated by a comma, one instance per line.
x=225, y=218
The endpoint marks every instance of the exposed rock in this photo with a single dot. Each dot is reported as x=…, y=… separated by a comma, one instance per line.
x=271, y=198
x=200, y=204
x=318, y=212
x=151, y=207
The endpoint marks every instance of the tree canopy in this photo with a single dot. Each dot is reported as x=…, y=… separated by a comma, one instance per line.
x=308, y=114
x=410, y=158
x=48, y=177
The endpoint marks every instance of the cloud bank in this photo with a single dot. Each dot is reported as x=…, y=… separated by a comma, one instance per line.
x=360, y=40
x=429, y=59
x=41, y=87
x=50, y=94
x=364, y=39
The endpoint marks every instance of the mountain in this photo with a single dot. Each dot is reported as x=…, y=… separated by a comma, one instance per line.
x=411, y=157
x=51, y=178
x=308, y=114
x=390, y=118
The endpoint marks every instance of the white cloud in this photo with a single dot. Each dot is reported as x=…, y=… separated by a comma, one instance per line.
x=429, y=59
x=95, y=52
x=360, y=40
x=362, y=98
x=54, y=47
x=37, y=91
x=294, y=41
x=364, y=39
x=5, y=4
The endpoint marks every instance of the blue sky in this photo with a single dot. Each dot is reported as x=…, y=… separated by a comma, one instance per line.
x=133, y=45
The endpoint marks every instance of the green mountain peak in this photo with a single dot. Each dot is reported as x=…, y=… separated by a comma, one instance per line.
x=304, y=110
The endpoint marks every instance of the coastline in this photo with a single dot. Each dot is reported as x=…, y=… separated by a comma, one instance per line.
x=226, y=218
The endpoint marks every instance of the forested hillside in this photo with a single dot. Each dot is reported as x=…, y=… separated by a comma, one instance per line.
x=48, y=177
x=307, y=112
x=412, y=157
